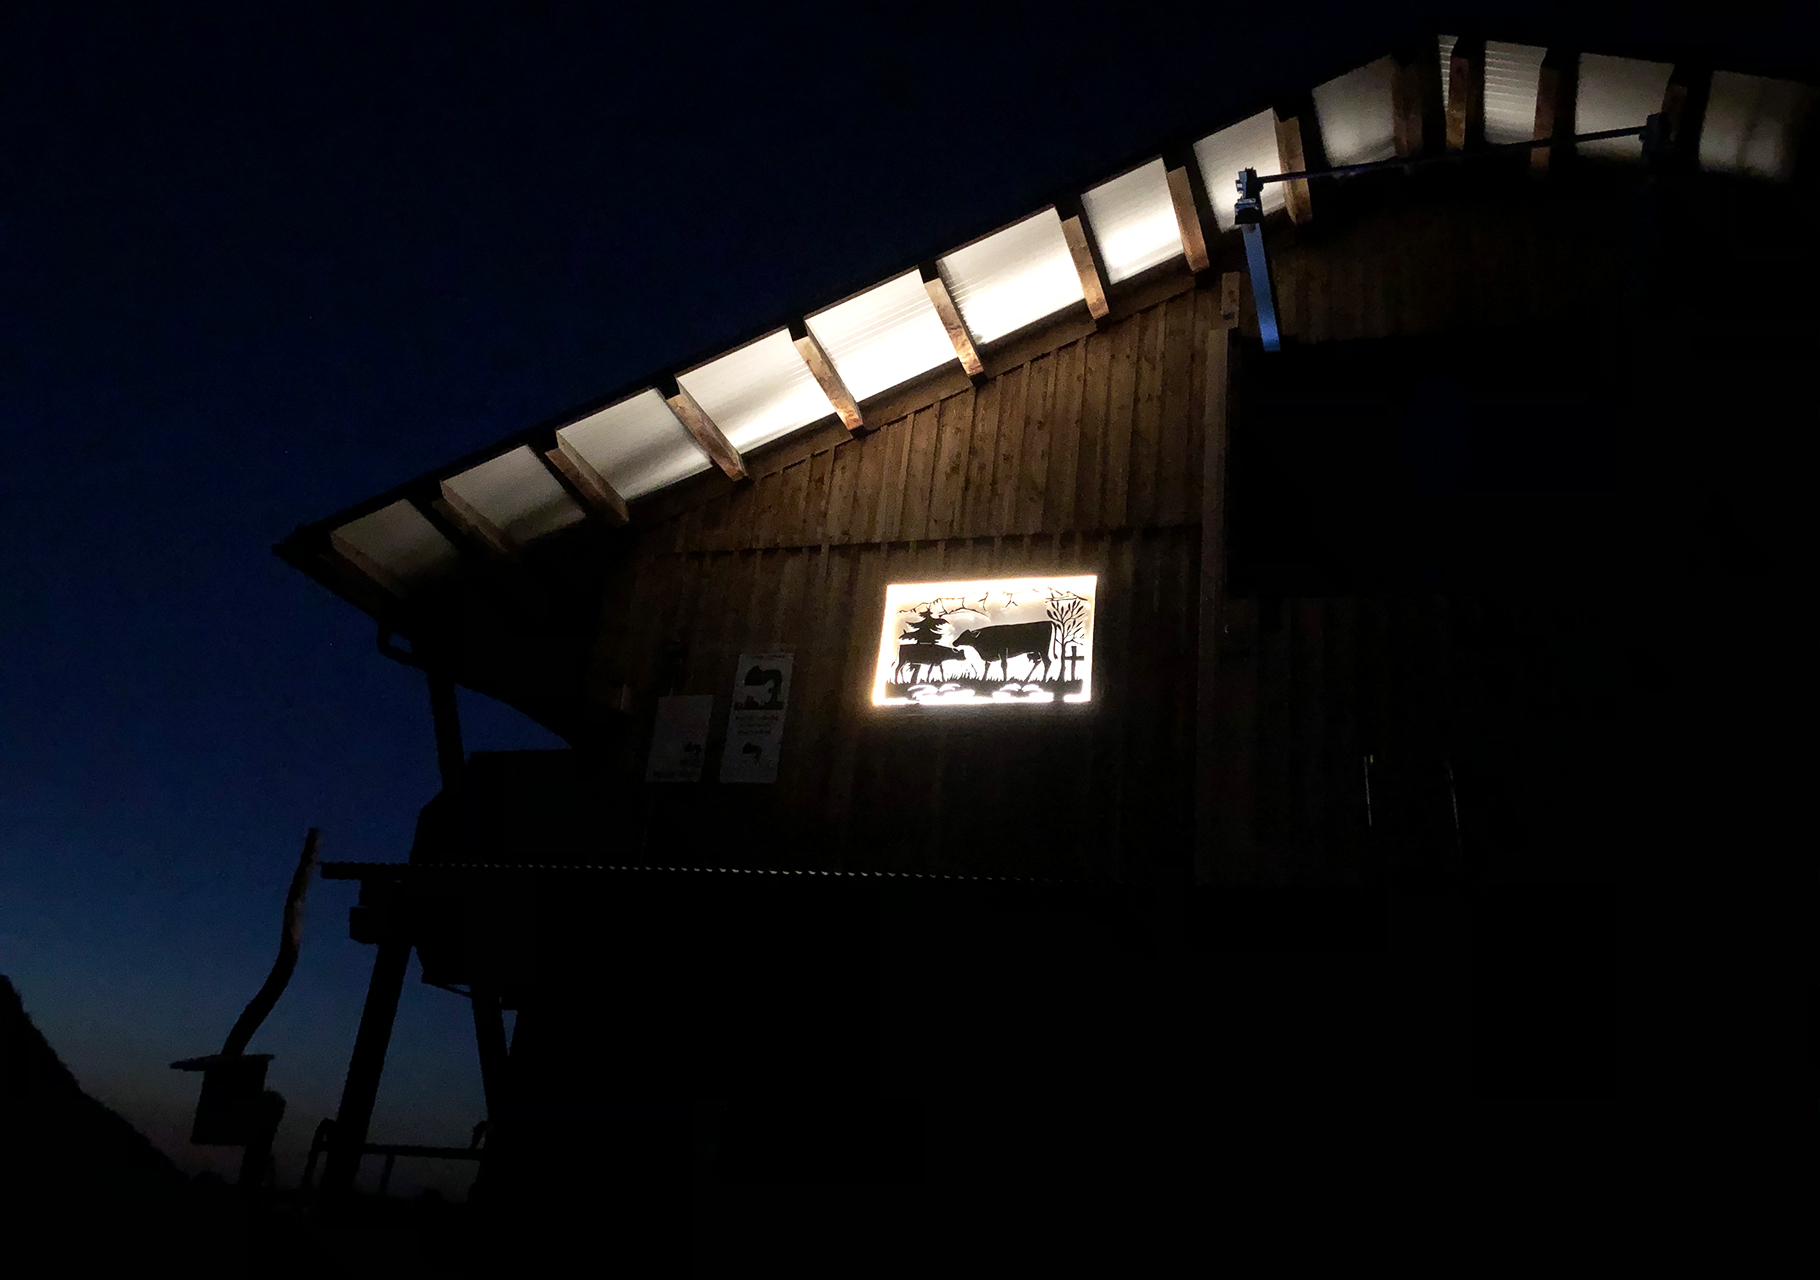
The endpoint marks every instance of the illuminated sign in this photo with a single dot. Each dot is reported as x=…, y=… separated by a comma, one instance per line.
x=999, y=642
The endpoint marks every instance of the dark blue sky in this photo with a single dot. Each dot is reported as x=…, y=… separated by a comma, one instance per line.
x=260, y=261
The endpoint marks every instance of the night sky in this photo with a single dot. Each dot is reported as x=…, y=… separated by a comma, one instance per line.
x=260, y=261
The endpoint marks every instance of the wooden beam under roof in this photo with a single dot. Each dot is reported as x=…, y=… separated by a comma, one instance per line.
x=1556, y=89
x=1084, y=249
x=832, y=384
x=587, y=485
x=1466, y=94
x=1415, y=99
x=966, y=350
x=1186, y=195
x=697, y=423
x=1292, y=157
x=1684, y=108
x=470, y=522
x=357, y=563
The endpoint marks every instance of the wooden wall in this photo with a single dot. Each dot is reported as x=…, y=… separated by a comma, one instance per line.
x=1089, y=457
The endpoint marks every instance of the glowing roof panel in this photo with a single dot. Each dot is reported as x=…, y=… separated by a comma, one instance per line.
x=1133, y=220
x=1013, y=277
x=637, y=445
x=758, y=392
x=884, y=336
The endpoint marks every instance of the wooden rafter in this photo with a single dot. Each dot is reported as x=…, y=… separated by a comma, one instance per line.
x=713, y=441
x=585, y=483
x=1292, y=158
x=358, y=563
x=1556, y=89
x=1684, y=109
x=1415, y=99
x=1182, y=183
x=1088, y=265
x=965, y=349
x=832, y=384
x=1466, y=94
x=467, y=518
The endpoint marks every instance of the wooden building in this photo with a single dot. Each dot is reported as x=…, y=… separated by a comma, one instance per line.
x=1390, y=571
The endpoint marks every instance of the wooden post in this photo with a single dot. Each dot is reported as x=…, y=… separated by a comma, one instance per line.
x=1215, y=428
x=1466, y=94
x=1556, y=89
x=367, y=1063
x=1292, y=158
x=490, y=1034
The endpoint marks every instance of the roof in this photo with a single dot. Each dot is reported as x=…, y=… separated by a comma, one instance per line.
x=848, y=365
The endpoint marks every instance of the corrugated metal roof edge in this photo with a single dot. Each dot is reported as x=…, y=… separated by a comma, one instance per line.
x=382, y=870
x=306, y=540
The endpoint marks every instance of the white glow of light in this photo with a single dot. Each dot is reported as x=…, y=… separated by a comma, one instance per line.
x=1357, y=116
x=1617, y=93
x=1133, y=220
x=401, y=543
x=1013, y=277
x=759, y=392
x=518, y=494
x=1249, y=144
x=1753, y=125
x=637, y=445
x=1513, y=78
x=962, y=680
x=884, y=336
x=1445, y=44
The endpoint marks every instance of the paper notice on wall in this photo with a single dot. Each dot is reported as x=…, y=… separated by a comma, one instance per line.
x=755, y=725
x=679, y=741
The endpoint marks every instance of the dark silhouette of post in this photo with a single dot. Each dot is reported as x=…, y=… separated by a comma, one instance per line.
x=368, y=1061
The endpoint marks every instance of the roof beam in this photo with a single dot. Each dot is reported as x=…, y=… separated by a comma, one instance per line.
x=1684, y=108
x=358, y=563
x=467, y=518
x=586, y=484
x=1292, y=158
x=1556, y=90
x=697, y=423
x=1415, y=99
x=966, y=350
x=1190, y=201
x=832, y=384
x=1088, y=264
x=1466, y=94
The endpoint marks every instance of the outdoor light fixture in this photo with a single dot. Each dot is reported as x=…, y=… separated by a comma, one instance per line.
x=1248, y=213
x=990, y=643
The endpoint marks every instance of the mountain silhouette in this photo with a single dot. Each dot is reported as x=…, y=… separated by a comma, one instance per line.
x=90, y=1186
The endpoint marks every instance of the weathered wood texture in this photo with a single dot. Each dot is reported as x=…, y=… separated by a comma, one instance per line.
x=1085, y=458
x=1066, y=793
x=1093, y=435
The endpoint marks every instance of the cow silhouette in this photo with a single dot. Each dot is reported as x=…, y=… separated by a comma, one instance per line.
x=1013, y=640
x=911, y=656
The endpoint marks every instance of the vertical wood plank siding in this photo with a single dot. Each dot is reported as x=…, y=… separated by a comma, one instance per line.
x=1084, y=458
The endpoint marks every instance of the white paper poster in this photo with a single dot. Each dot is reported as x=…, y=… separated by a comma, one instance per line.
x=755, y=723
x=679, y=742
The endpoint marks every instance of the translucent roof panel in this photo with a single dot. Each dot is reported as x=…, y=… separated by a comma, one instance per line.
x=759, y=392
x=1513, y=77
x=519, y=495
x=1013, y=277
x=1249, y=144
x=637, y=445
x=1753, y=125
x=1133, y=220
x=1356, y=115
x=400, y=544
x=1617, y=93
x=883, y=336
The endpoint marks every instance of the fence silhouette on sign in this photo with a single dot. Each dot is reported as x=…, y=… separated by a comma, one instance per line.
x=1027, y=640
